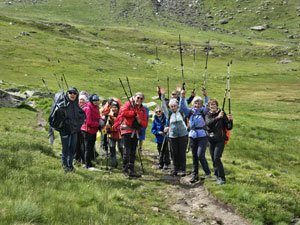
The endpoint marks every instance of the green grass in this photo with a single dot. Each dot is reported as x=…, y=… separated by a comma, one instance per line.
x=261, y=160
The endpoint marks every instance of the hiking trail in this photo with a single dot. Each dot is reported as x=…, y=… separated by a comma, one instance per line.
x=194, y=204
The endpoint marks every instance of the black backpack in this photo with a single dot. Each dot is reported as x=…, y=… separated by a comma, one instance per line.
x=58, y=112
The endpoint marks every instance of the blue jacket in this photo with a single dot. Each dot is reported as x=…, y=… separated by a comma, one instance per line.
x=196, y=119
x=158, y=125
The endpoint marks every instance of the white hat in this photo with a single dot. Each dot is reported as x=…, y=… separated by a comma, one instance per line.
x=83, y=97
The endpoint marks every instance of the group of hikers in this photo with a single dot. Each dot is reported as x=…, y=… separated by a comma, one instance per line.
x=78, y=117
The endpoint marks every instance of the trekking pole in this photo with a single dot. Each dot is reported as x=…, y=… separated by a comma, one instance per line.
x=125, y=92
x=65, y=81
x=194, y=69
x=46, y=85
x=205, y=72
x=57, y=81
x=168, y=81
x=228, y=86
x=139, y=153
x=226, y=89
x=157, y=59
x=129, y=86
x=180, y=51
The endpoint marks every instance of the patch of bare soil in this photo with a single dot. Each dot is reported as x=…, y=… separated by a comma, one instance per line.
x=41, y=122
x=195, y=204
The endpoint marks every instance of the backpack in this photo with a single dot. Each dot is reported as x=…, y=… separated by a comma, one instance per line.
x=58, y=112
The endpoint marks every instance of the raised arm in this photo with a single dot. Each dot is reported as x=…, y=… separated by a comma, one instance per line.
x=182, y=104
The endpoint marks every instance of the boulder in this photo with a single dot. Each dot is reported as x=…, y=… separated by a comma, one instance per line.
x=11, y=99
x=260, y=28
x=223, y=21
x=285, y=61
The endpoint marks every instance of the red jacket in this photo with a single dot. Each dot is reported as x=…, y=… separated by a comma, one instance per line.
x=91, y=123
x=126, y=118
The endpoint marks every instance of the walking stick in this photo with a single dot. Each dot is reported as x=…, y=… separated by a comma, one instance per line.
x=205, y=72
x=139, y=153
x=180, y=51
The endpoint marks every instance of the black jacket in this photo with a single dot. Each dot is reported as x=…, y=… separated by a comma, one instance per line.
x=217, y=126
x=69, y=112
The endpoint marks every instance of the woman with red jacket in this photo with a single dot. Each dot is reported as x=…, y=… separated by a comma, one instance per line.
x=90, y=128
x=132, y=117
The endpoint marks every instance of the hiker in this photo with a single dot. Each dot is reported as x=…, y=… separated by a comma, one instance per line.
x=217, y=122
x=197, y=133
x=158, y=125
x=177, y=134
x=79, y=153
x=114, y=134
x=142, y=136
x=72, y=118
x=90, y=128
x=131, y=120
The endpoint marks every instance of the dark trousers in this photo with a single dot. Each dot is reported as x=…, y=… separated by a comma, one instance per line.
x=79, y=153
x=112, y=148
x=163, y=151
x=198, y=150
x=216, y=150
x=178, y=148
x=130, y=144
x=89, y=143
x=68, y=148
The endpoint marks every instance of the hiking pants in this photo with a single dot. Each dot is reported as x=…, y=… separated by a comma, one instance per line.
x=79, y=153
x=130, y=144
x=112, y=148
x=198, y=150
x=216, y=150
x=163, y=151
x=89, y=143
x=68, y=149
x=178, y=148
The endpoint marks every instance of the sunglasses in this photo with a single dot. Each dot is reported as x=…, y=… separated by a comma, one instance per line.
x=72, y=93
x=139, y=98
x=158, y=111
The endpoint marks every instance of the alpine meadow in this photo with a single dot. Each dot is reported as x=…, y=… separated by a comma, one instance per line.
x=93, y=43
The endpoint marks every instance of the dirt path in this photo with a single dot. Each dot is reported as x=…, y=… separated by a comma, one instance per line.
x=194, y=203
x=41, y=122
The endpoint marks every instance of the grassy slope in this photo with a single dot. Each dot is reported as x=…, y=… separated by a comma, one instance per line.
x=265, y=105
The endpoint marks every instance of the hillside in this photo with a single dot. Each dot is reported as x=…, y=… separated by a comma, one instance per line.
x=96, y=42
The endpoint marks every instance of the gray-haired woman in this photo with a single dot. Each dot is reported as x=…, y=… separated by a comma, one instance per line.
x=177, y=134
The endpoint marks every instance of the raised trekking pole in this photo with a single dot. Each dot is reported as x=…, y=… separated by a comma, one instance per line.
x=228, y=86
x=194, y=68
x=205, y=72
x=157, y=59
x=46, y=85
x=180, y=51
x=65, y=81
x=168, y=81
x=57, y=81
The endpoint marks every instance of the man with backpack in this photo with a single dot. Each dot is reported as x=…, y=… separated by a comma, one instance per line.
x=67, y=117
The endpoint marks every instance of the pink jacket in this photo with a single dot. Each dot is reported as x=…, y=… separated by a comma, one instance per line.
x=91, y=123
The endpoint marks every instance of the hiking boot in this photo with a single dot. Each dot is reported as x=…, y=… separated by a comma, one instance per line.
x=160, y=167
x=66, y=169
x=195, y=178
x=214, y=178
x=221, y=181
x=132, y=173
x=203, y=177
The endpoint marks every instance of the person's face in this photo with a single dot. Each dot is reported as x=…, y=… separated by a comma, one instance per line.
x=174, y=107
x=139, y=99
x=95, y=103
x=114, y=109
x=213, y=107
x=197, y=105
x=81, y=102
x=174, y=95
x=72, y=96
x=158, y=112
